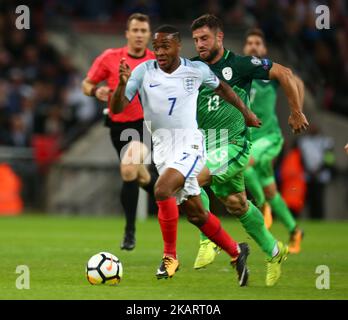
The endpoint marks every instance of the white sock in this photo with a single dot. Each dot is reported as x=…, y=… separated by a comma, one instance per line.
x=275, y=250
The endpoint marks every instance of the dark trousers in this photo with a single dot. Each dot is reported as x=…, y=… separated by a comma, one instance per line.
x=316, y=198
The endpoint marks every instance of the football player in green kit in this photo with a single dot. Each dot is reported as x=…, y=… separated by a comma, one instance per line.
x=267, y=143
x=228, y=148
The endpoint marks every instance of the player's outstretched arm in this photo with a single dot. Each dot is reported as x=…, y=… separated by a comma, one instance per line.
x=297, y=120
x=227, y=93
x=301, y=90
x=118, y=100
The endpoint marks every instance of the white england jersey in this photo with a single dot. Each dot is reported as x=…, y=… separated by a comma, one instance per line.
x=170, y=108
x=169, y=100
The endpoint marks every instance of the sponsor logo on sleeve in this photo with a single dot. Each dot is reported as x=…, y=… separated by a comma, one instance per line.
x=266, y=63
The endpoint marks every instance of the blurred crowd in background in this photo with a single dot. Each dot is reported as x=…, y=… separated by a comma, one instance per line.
x=286, y=23
x=39, y=88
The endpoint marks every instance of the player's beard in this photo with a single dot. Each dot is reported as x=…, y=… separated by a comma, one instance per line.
x=212, y=55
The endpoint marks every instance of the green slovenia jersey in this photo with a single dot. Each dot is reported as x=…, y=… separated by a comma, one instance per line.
x=222, y=122
x=263, y=98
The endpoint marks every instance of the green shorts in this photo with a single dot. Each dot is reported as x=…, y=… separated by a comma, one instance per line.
x=226, y=164
x=263, y=151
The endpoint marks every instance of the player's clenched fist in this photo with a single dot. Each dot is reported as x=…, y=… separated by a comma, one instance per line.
x=102, y=93
x=124, y=71
x=298, y=122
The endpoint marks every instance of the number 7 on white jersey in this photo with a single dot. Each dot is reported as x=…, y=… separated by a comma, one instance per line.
x=172, y=106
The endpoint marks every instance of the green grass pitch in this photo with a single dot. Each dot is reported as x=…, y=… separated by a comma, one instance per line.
x=56, y=250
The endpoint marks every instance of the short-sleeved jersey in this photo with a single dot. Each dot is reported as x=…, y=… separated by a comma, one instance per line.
x=169, y=100
x=263, y=98
x=214, y=112
x=105, y=68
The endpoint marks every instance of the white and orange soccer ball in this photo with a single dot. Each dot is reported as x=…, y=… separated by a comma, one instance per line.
x=104, y=268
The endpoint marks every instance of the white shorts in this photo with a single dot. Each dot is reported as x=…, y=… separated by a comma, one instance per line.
x=186, y=154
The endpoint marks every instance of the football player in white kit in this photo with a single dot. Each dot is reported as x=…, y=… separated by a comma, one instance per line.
x=168, y=89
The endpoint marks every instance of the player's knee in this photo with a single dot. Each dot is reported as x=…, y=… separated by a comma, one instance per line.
x=194, y=212
x=144, y=178
x=129, y=172
x=204, y=177
x=259, y=200
x=193, y=218
x=237, y=204
x=162, y=192
x=143, y=181
x=197, y=218
x=270, y=192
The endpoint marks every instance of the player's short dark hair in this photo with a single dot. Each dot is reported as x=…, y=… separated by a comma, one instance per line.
x=208, y=20
x=167, y=28
x=138, y=16
x=255, y=32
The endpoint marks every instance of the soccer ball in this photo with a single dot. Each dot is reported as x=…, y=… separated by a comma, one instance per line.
x=104, y=268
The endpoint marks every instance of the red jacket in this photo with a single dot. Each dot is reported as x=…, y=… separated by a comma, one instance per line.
x=105, y=68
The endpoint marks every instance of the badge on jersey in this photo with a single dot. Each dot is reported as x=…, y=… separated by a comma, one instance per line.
x=189, y=84
x=256, y=61
x=227, y=73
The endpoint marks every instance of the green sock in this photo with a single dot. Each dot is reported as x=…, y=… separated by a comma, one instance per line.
x=254, y=225
x=282, y=212
x=254, y=186
x=206, y=205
